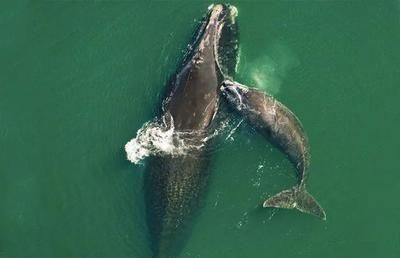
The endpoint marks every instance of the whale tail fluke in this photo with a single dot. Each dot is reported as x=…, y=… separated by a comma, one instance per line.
x=296, y=198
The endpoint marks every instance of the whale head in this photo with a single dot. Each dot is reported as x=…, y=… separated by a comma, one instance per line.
x=220, y=30
x=234, y=93
x=221, y=12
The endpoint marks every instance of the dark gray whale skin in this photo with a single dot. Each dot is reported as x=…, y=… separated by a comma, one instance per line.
x=173, y=186
x=283, y=129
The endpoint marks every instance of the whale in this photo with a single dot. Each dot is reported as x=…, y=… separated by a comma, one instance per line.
x=174, y=185
x=285, y=131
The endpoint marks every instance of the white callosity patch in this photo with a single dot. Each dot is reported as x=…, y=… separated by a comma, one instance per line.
x=234, y=95
x=238, y=60
x=209, y=34
x=216, y=10
x=214, y=34
x=219, y=29
x=233, y=14
x=240, y=86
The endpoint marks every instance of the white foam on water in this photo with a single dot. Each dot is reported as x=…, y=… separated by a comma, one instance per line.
x=256, y=180
x=243, y=220
x=149, y=139
x=157, y=139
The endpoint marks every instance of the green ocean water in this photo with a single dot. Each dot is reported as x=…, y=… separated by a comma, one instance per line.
x=79, y=78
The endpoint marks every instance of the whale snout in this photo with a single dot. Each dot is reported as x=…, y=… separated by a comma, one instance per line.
x=228, y=85
x=222, y=11
x=232, y=93
x=225, y=86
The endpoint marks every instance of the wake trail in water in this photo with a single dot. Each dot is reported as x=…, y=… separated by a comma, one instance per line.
x=232, y=131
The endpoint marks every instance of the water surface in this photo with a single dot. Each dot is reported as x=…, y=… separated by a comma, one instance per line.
x=78, y=79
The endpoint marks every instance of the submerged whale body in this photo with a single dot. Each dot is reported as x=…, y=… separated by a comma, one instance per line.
x=174, y=184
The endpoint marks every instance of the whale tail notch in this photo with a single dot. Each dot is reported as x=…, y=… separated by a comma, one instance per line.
x=296, y=198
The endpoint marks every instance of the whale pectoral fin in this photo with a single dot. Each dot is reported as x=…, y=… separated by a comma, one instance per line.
x=296, y=198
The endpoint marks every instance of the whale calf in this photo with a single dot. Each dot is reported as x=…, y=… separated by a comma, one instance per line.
x=284, y=130
x=174, y=184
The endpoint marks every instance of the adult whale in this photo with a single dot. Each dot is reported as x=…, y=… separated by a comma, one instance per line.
x=174, y=184
x=285, y=131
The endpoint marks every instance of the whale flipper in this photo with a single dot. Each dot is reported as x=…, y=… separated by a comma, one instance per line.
x=296, y=198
